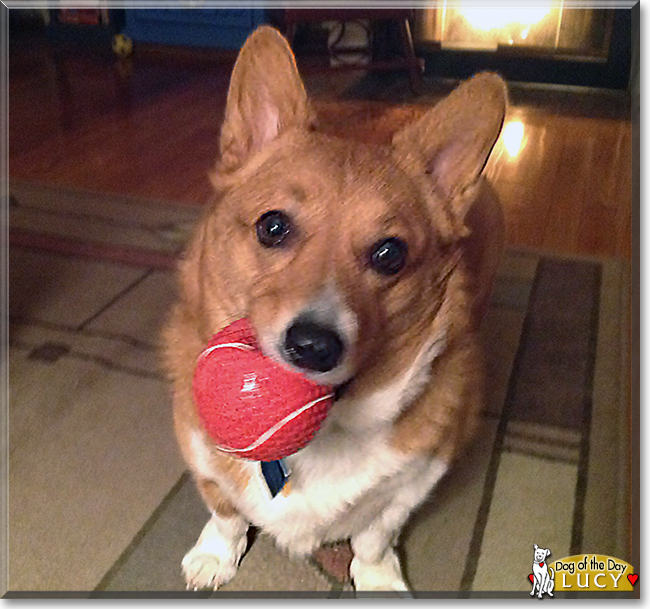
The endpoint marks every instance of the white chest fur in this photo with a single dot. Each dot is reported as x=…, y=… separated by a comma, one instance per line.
x=349, y=475
x=340, y=483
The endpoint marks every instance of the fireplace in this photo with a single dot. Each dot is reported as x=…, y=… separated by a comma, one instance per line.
x=541, y=42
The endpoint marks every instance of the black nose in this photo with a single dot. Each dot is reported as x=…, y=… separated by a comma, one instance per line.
x=310, y=346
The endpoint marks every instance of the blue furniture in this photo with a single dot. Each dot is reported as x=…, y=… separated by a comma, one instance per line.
x=201, y=27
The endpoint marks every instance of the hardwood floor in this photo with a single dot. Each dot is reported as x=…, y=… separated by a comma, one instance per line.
x=568, y=188
x=149, y=126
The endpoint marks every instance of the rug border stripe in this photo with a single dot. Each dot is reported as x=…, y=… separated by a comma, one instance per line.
x=185, y=477
x=577, y=529
x=474, y=551
x=130, y=256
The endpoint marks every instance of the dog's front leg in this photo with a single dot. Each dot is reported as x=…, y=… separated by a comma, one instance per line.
x=213, y=561
x=373, y=570
x=542, y=585
x=375, y=566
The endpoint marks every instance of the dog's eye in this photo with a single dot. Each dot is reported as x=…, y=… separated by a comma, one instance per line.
x=273, y=228
x=388, y=256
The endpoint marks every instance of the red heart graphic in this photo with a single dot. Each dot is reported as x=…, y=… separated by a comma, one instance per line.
x=541, y=564
x=531, y=577
x=632, y=577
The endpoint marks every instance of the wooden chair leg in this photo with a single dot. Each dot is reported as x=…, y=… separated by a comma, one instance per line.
x=291, y=32
x=414, y=68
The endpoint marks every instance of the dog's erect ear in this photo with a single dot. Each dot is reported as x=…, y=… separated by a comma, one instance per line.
x=266, y=97
x=535, y=546
x=452, y=141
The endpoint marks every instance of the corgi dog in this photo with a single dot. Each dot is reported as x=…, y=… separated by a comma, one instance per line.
x=383, y=258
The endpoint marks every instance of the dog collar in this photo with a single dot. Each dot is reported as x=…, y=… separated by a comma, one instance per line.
x=276, y=475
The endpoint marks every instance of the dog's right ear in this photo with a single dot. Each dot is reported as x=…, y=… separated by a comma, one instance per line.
x=265, y=98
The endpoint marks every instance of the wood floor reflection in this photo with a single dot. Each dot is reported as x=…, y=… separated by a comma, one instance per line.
x=149, y=127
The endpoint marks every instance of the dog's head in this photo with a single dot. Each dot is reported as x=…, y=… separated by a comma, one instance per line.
x=337, y=251
x=540, y=553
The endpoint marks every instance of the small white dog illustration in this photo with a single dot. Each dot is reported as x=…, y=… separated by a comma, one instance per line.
x=543, y=576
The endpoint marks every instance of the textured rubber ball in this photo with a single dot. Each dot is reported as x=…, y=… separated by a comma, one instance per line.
x=251, y=406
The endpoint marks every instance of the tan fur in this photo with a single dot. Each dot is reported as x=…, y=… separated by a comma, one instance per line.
x=215, y=498
x=282, y=96
x=344, y=196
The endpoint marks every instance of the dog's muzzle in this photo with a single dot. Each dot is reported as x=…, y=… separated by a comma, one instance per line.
x=312, y=346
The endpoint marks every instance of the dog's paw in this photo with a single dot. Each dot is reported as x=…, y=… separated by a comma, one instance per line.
x=204, y=570
x=384, y=576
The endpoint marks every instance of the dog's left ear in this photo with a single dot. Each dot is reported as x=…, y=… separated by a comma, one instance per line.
x=548, y=552
x=452, y=142
x=265, y=98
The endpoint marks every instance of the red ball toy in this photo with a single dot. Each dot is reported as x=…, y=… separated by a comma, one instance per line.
x=251, y=406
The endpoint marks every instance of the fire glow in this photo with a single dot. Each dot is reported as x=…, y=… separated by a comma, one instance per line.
x=467, y=24
x=513, y=137
x=488, y=19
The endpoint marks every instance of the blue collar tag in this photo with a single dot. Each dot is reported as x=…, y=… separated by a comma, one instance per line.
x=276, y=474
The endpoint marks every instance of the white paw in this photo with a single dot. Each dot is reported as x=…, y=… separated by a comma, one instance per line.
x=384, y=576
x=204, y=570
x=213, y=561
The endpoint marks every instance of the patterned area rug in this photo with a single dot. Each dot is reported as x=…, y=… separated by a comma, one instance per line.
x=99, y=500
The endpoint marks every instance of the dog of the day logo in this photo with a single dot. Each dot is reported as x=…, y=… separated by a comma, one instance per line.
x=584, y=572
x=543, y=576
